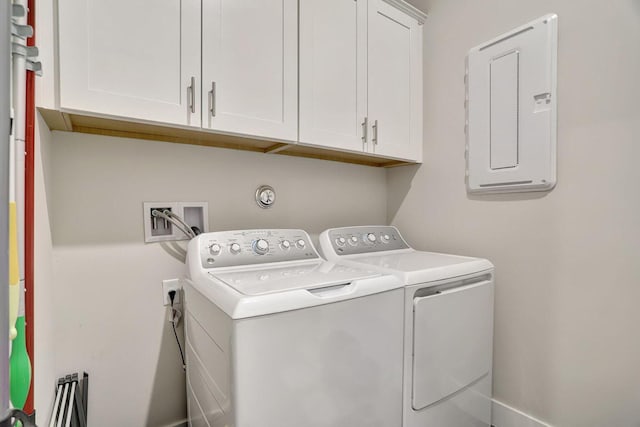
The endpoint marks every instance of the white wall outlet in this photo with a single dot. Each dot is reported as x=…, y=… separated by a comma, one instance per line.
x=156, y=229
x=171, y=285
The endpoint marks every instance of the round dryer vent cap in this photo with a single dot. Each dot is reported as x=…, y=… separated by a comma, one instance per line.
x=265, y=196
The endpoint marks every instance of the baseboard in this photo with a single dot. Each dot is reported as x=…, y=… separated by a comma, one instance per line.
x=506, y=416
x=179, y=424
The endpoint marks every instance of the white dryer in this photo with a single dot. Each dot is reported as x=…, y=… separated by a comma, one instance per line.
x=277, y=337
x=448, y=326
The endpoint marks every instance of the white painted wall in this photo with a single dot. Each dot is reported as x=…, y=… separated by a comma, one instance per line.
x=566, y=348
x=44, y=342
x=107, y=299
x=567, y=271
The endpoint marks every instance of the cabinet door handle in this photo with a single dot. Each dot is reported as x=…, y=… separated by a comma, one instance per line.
x=365, y=125
x=212, y=99
x=191, y=91
x=374, y=139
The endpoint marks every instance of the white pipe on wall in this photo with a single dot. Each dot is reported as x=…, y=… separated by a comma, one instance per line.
x=19, y=82
x=5, y=13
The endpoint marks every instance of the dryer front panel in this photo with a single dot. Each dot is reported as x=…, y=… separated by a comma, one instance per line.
x=452, y=341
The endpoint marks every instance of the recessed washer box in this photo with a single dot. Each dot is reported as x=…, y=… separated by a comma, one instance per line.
x=511, y=100
x=156, y=229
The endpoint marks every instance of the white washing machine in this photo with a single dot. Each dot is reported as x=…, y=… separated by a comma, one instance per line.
x=277, y=337
x=448, y=324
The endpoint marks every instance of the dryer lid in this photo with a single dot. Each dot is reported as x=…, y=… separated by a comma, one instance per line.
x=416, y=267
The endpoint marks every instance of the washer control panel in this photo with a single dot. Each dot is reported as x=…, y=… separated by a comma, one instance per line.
x=361, y=240
x=245, y=247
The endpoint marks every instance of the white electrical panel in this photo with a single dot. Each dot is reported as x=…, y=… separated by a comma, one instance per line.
x=511, y=101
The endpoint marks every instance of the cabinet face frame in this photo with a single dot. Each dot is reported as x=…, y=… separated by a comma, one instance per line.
x=381, y=79
x=125, y=44
x=333, y=42
x=242, y=49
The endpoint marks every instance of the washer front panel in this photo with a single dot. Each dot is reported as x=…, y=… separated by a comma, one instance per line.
x=334, y=365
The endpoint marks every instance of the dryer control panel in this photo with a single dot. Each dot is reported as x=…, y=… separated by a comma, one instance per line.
x=361, y=240
x=246, y=247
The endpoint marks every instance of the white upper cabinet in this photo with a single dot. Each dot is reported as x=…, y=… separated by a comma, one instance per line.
x=333, y=73
x=250, y=67
x=131, y=58
x=361, y=77
x=231, y=67
x=395, y=82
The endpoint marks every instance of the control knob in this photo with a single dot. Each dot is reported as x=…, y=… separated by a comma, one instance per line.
x=301, y=244
x=371, y=238
x=340, y=241
x=235, y=248
x=285, y=244
x=215, y=249
x=353, y=240
x=260, y=246
x=386, y=238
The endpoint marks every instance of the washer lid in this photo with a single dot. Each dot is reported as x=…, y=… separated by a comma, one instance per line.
x=269, y=280
x=415, y=267
x=261, y=290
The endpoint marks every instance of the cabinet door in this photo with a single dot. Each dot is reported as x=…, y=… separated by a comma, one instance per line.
x=333, y=73
x=250, y=67
x=131, y=58
x=395, y=82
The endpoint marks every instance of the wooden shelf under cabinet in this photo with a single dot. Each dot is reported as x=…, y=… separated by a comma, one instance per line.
x=68, y=122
